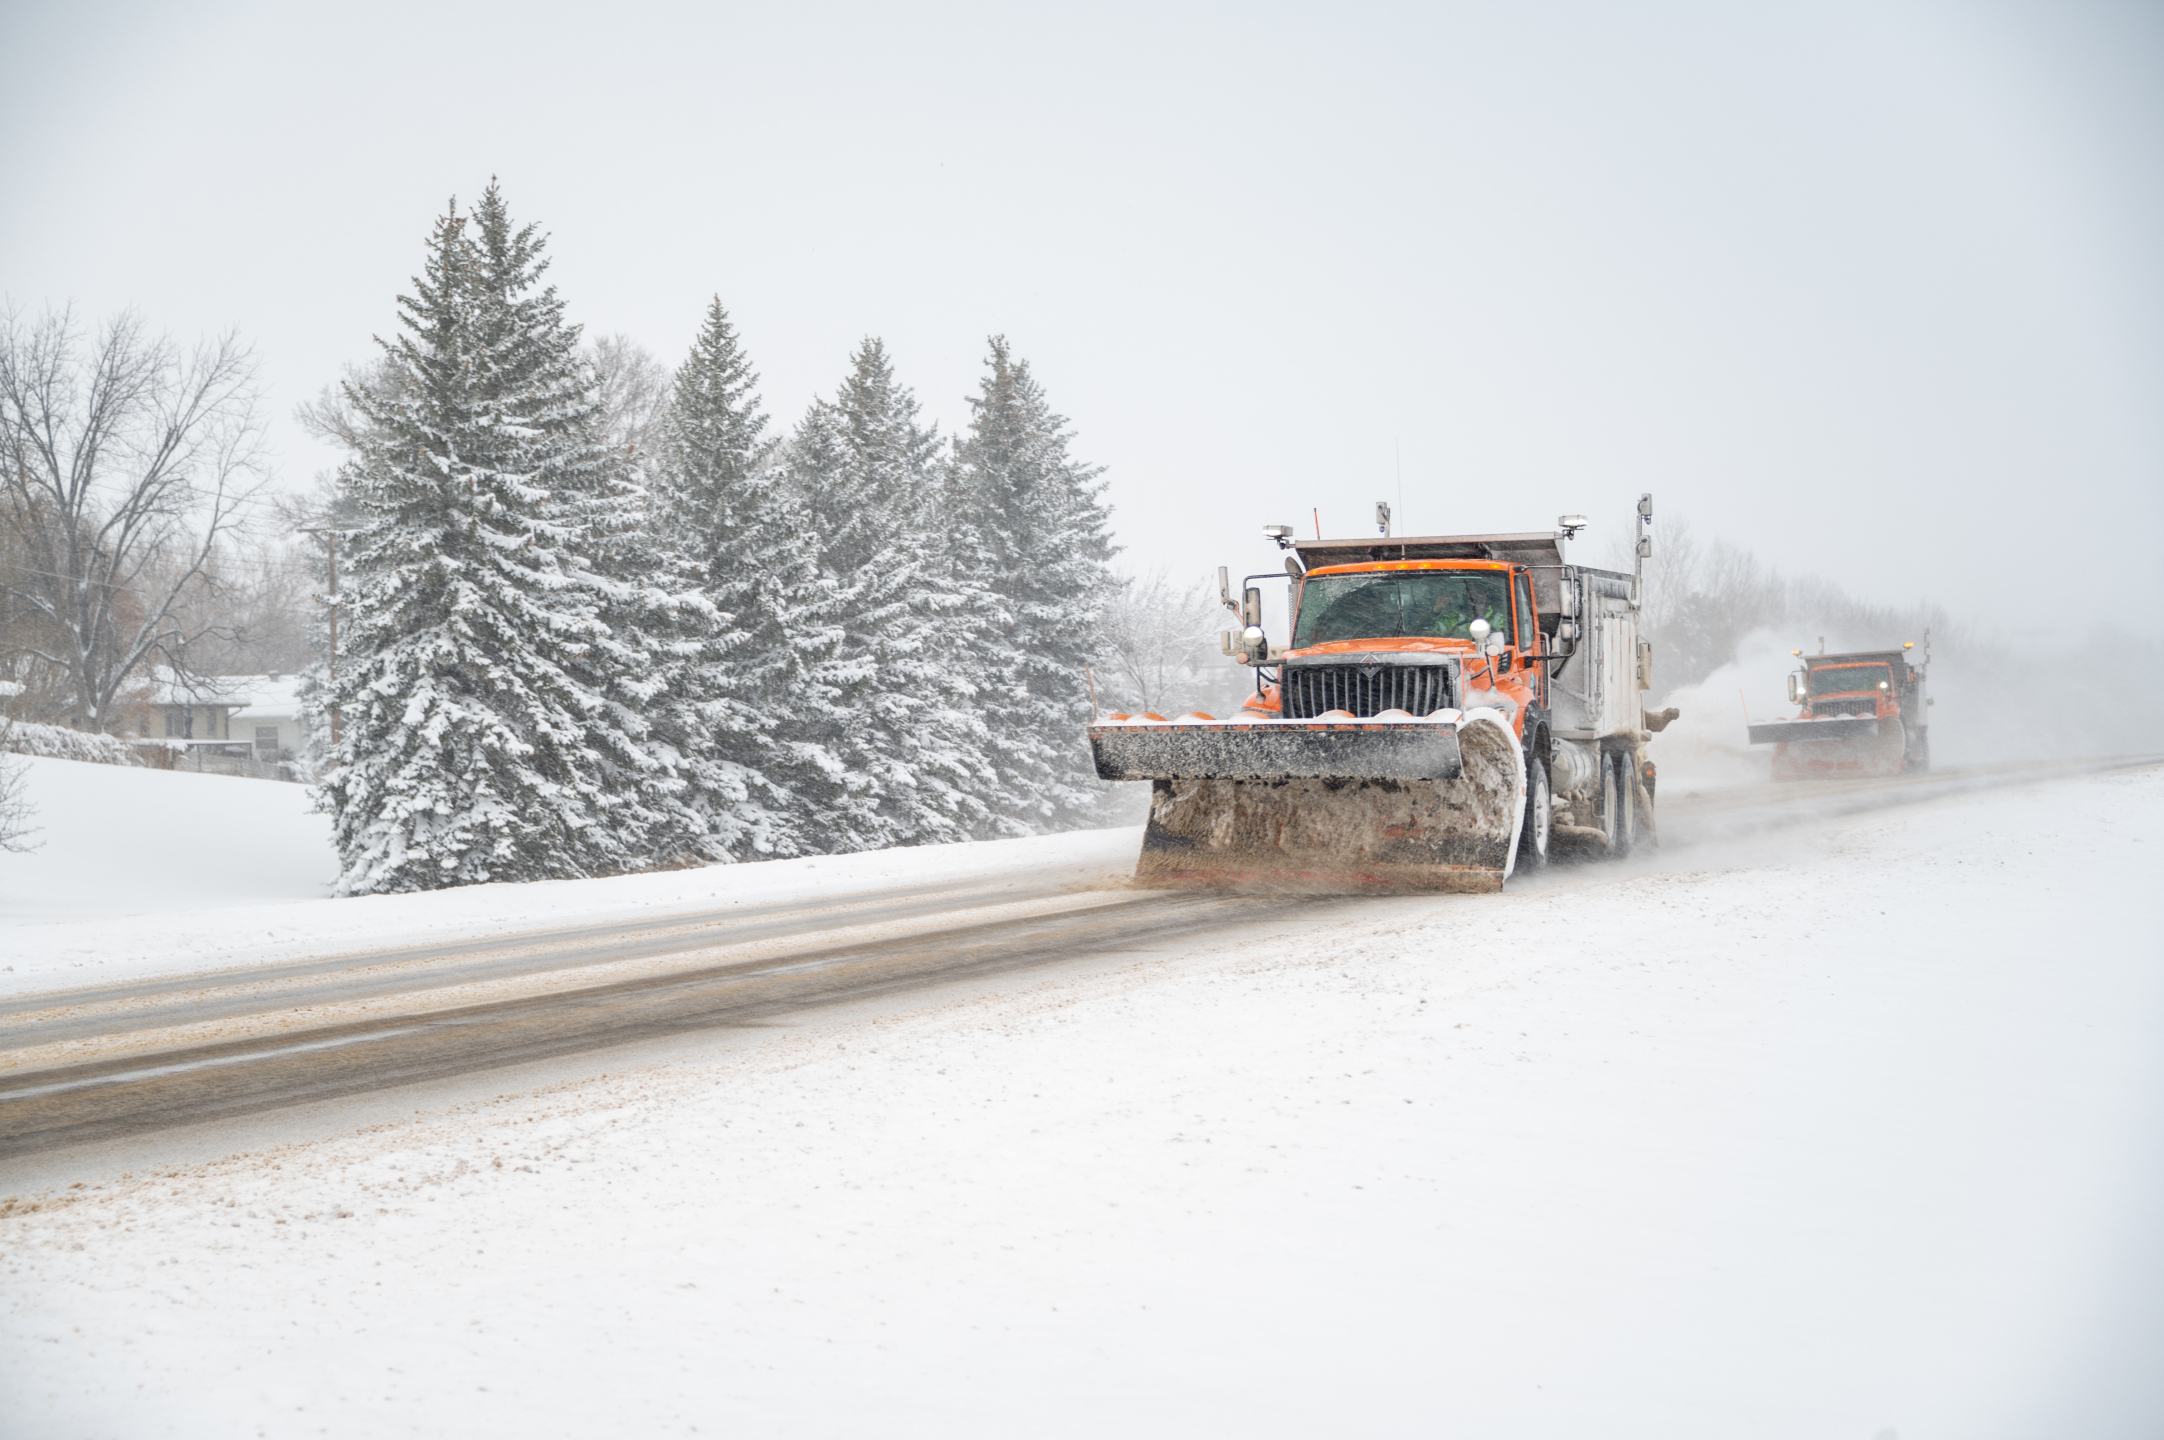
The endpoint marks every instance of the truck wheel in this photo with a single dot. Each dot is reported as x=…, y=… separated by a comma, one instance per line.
x=1919, y=758
x=1538, y=826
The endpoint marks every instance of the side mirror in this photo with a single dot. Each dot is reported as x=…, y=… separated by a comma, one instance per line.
x=1251, y=607
x=1795, y=690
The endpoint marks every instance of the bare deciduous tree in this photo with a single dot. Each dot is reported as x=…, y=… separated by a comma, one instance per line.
x=1703, y=599
x=1161, y=650
x=125, y=461
x=332, y=417
x=634, y=389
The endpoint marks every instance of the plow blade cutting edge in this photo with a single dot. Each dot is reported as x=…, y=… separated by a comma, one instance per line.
x=1327, y=805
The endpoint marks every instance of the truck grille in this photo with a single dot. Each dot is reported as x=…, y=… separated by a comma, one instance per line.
x=1862, y=705
x=1364, y=689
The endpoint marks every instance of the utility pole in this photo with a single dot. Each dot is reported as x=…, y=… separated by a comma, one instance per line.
x=331, y=538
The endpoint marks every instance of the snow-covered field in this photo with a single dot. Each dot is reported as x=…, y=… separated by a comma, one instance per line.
x=115, y=840
x=1848, y=1134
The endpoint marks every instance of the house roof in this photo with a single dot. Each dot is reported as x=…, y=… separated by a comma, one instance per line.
x=271, y=695
x=259, y=695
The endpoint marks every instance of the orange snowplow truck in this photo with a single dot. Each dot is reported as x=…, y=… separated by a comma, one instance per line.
x=1863, y=714
x=1447, y=710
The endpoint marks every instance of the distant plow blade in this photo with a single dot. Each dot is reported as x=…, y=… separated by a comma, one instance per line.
x=1878, y=751
x=1833, y=727
x=1329, y=806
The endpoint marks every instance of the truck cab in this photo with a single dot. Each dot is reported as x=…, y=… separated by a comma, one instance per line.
x=1390, y=627
x=1410, y=637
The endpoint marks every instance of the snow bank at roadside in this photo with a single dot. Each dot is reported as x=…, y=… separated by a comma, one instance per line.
x=1845, y=1137
x=182, y=941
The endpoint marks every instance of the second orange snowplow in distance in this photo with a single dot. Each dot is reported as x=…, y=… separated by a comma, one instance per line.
x=1861, y=714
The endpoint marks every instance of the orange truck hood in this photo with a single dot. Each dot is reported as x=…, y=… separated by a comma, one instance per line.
x=1408, y=644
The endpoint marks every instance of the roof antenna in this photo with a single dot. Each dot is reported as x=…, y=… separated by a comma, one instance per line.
x=1397, y=453
x=1643, y=550
x=1318, y=523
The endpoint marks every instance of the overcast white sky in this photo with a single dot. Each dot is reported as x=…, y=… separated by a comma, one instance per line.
x=1872, y=287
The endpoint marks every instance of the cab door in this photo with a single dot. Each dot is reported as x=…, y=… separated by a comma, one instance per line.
x=1527, y=633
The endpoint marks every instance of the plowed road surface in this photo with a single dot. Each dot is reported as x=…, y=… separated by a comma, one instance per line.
x=120, y=1060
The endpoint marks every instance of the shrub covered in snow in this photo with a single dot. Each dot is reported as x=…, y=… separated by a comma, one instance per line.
x=57, y=742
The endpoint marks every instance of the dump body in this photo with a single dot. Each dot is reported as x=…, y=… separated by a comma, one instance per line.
x=1436, y=696
x=1860, y=714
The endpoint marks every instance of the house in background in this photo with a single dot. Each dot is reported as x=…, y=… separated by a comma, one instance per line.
x=227, y=724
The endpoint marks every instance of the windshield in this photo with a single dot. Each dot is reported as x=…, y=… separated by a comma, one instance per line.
x=1847, y=679
x=1401, y=603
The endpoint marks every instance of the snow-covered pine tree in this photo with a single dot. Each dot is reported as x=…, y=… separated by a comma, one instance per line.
x=466, y=750
x=896, y=697
x=650, y=620
x=1038, y=532
x=718, y=499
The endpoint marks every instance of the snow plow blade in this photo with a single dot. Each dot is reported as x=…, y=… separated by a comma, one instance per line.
x=1324, y=805
x=1276, y=750
x=1833, y=727
x=1878, y=751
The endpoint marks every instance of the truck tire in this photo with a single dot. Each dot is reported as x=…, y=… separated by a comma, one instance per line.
x=1537, y=829
x=1618, y=805
x=1919, y=756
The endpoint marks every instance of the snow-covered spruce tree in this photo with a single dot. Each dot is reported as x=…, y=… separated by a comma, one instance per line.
x=462, y=756
x=755, y=776
x=465, y=753
x=1036, y=529
x=641, y=660
x=894, y=700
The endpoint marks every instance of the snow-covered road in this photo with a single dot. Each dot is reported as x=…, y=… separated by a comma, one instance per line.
x=1832, y=1132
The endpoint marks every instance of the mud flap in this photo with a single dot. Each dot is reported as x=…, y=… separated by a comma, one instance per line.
x=1346, y=832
